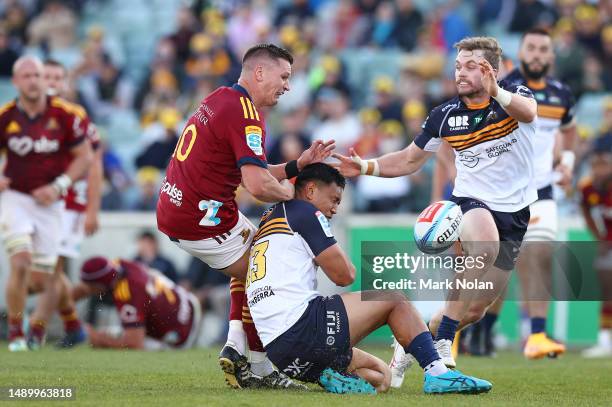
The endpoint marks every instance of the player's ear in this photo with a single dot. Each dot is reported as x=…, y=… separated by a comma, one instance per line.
x=259, y=74
x=310, y=190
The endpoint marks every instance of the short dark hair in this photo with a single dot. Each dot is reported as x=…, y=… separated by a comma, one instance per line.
x=536, y=31
x=319, y=172
x=148, y=235
x=54, y=62
x=268, y=50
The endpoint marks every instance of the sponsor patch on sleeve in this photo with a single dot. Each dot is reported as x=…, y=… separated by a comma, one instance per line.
x=324, y=224
x=524, y=91
x=254, y=139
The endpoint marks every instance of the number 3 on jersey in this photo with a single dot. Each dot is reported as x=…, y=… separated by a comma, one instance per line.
x=211, y=207
x=257, y=262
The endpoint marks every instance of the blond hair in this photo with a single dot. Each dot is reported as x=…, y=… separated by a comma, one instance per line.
x=489, y=45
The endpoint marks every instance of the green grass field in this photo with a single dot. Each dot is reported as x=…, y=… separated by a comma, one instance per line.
x=192, y=378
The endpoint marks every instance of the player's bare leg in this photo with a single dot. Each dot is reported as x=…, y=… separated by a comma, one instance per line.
x=73, y=329
x=535, y=273
x=393, y=309
x=479, y=239
x=16, y=294
x=47, y=285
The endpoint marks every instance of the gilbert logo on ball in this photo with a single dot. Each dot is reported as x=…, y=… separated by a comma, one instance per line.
x=438, y=227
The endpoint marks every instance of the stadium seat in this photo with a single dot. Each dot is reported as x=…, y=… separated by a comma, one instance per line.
x=7, y=91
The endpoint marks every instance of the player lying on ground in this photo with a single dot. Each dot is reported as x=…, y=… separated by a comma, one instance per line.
x=491, y=130
x=310, y=337
x=155, y=313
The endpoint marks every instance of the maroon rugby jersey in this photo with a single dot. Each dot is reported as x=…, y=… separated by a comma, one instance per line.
x=147, y=298
x=76, y=197
x=38, y=150
x=197, y=197
x=600, y=198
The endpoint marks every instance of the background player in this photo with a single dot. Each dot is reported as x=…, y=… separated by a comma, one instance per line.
x=79, y=218
x=150, y=306
x=41, y=135
x=491, y=130
x=311, y=337
x=222, y=146
x=596, y=196
x=555, y=130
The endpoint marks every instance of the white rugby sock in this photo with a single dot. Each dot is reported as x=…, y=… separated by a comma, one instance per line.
x=236, y=336
x=260, y=364
x=436, y=368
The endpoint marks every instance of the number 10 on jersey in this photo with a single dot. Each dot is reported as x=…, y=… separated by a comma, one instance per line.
x=210, y=216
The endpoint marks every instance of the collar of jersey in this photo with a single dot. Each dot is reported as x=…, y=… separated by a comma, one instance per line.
x=242, y=90
x=38, y=116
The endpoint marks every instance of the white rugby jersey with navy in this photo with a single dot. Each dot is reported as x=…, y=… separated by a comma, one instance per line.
x=282, y=275
x=493, y=151
x=556, y=107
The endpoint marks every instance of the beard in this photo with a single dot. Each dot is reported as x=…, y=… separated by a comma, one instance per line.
x=535, y=75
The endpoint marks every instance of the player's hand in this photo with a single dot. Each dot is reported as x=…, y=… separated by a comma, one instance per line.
x=318, y=151
x=289, y=188
x=489, y=82
x=347, y=166
x=91, y=223
x=46, y=195
x=4, y=183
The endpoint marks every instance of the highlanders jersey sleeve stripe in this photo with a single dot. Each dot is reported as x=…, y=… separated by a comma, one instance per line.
x=493, y=151
x=282, y=276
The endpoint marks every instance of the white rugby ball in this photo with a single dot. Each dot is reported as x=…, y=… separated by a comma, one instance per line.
x=438, y=227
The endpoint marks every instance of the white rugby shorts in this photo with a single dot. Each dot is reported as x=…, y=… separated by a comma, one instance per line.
x=224, y=250
x=28, y=226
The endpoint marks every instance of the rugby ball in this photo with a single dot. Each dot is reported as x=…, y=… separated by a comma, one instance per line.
x=438, y=227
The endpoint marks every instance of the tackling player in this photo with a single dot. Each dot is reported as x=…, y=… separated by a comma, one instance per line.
x=311, y=337
x=222, y=146
x=43, y=136
x=596, y=194
x=491, y=130
x=155, y=313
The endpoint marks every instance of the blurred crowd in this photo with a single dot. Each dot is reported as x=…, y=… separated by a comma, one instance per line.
x=366, y=73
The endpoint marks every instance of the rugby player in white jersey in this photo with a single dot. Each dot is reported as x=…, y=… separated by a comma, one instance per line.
x=491, y=130
x=311, y=337
x=555, y=137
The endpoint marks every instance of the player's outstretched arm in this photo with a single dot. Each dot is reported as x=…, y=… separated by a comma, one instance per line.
x=265, y=187
x=95, y=178
x=396, y=164
x=132, y=338
x=523, y=109
x=336, y=265
x=317, y=152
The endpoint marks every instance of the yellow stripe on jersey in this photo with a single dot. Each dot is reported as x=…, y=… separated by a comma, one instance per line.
x=69, y=107
x=6, y=107
x=276, y=224
x=244, y=108
x=122, y=291
x=551, y=112
x=250, y=105
x=274, y=232
x=489, y=137
x=510, y=126
x=465, y=137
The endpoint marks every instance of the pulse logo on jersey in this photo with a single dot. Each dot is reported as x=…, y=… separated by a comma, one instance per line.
x=174, y=193
x=23, y=145
x=254, y=139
